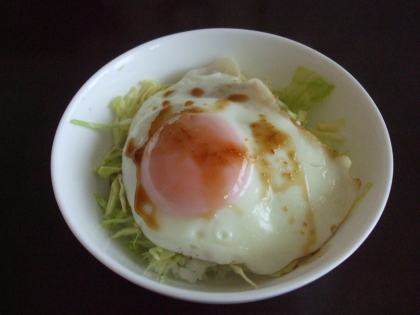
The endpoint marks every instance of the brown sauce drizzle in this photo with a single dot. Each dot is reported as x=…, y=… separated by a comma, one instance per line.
x=221, y=104
x=239, y=98
x=197, y=92
x=269, y=139
x=166, y=103
x=192, y=110
x=164, y=115
x=141, y=199
x=142, y=203
x=130, y=148
x=167, y=93
x=188, y=103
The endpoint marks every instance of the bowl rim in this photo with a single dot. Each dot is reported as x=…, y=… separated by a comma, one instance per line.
x=201, y=296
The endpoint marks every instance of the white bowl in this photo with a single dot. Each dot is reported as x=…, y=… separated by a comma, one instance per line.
x=77, y=150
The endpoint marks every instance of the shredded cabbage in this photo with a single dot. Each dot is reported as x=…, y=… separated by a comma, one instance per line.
x=125, y=122
x=305, y=90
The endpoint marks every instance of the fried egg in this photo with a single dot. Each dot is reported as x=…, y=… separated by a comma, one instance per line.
x=214, y=169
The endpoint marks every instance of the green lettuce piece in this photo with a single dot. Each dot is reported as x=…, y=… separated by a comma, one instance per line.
x=331, y=138
x=101, y=200
x=289, y=268
x=113, y=197
x=123, y=197
x=286, y=108
x=125, y=122
x=162, y=261
x=126, y=232
x=139, y=242
x=238, y=270
x=306, y=89
x=106, y=171
x=109, y=223
x=127, y=106
x=331, y=126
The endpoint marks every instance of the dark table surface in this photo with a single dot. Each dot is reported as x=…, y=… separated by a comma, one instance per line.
x=49, y=49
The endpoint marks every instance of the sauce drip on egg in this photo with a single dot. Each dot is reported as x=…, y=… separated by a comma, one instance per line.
x=240, y=98
x=193, y=165
x=269, y=139
x=197, y=92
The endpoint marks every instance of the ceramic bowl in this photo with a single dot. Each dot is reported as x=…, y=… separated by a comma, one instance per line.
x=77, y=150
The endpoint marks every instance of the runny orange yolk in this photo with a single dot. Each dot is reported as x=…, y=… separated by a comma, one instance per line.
x=194, y=165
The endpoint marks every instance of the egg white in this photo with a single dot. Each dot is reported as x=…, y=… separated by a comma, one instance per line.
x=297, y=195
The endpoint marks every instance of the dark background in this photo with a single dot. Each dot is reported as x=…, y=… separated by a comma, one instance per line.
x=48, y=51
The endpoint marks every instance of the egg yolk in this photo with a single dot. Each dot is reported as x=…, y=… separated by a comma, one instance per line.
x=194, y=165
